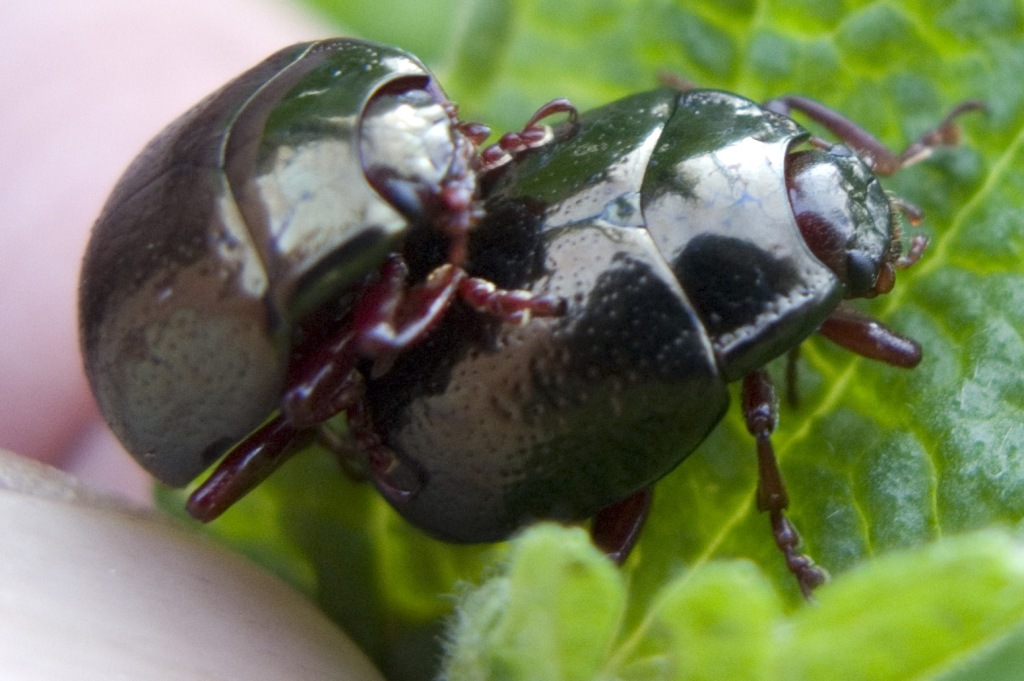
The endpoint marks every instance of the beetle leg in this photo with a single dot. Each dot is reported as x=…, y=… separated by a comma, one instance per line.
x=909, y=259
x=248, y=464
x=616, y=528
x=761, y=414
x=394, y=478
x=324, y=384
x=390, y=316
x=476, y=132
x=458, y=194
x=512, y=306
x=387, y=318
x=531, y=136
x=879, y=158
x=868, y=337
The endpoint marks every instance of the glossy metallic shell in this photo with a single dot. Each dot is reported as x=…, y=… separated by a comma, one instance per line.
x=564, y=415
x=245, y=213
x=664, y=223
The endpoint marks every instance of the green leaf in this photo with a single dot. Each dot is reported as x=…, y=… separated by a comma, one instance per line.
x=877, y=459
x=527, y=624
x=954, y=609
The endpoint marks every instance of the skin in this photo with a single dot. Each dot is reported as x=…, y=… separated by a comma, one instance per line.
x=77, y=110
x=143, y=598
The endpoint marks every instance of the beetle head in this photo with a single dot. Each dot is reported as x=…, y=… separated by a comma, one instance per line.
x=845, y=217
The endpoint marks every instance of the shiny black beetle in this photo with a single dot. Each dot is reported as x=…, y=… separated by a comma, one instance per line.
x=541, y=329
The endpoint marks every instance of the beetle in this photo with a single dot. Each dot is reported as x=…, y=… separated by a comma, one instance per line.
x=540, y=329
x=254, y=221
x=694, y=240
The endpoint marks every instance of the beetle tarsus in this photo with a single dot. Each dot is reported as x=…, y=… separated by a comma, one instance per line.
x=809, y=575
x=760, y=410
x=511, y=306
x=475, y=132
x=396, y=480
x=946, y=134
x=615, y=529
x=531, y=136
x=390, y=316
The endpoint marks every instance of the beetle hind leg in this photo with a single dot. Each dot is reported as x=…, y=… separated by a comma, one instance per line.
x=761, y=414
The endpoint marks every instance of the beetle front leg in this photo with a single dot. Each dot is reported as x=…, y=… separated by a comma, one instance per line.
x=532, y=135
x=879, y=157
x=389, y=317
x=512, y=306
x=392, y=316
x=761, y=414
x=868, y=337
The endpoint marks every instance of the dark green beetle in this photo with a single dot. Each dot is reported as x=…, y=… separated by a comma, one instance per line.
x=276, y=196
x=541, y=329
x=694, y=241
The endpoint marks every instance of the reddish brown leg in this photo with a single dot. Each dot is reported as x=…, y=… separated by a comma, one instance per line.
x=391, y=317
x=879, y=157
x=532, y=135
x=394, y=479
x=459, y=191
x=388, y=317
x=760, y=412
x=616, y=528
x=868, y=337
x=323, y=383
x=476, y=132
x=555, y=106
x=245, y=467
x=512, y=306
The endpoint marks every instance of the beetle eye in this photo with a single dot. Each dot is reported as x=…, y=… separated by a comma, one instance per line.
x=861, y=272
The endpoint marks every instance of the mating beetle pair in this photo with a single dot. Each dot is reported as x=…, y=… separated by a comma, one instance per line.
x=538, y=330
